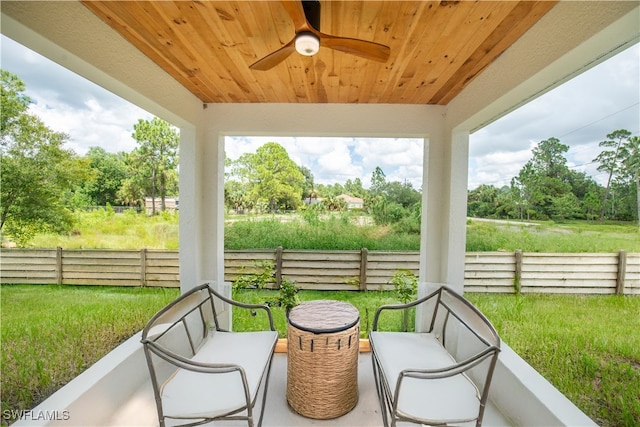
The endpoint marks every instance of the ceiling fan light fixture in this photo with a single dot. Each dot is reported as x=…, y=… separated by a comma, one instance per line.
x=307, y=43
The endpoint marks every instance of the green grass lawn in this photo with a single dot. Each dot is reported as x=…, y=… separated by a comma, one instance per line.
x=50, y=334
x=107, y=230
x=586, y=346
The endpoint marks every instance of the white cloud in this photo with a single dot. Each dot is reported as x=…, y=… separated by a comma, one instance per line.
x=66, y=102
x=580, y=113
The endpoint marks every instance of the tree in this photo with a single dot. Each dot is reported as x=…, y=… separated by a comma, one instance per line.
x=402, y=193
x=482, y=202
x=609, y=160
x=378, y=181
x=335, y=204
x=271, y=177
x=544, y=178
x=308, y=189
x=591, y=201
x=355, y=188
x=631, y=164
x=109, y=173
x=36, y=170
x=153, y=164
x=14, y=105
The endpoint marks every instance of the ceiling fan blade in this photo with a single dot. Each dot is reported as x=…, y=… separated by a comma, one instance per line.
x=274, y=58
x=363, y=48
x=296, y=12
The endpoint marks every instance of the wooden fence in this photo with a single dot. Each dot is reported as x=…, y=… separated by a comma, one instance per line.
x=502, y=272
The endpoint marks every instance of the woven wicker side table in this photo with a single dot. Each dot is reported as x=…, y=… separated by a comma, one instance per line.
x=322, y=362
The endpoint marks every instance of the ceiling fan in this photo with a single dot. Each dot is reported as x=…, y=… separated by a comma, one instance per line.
x=308, y=38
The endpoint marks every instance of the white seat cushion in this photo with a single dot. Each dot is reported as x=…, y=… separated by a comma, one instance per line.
x=453, y=399
x=195, y=394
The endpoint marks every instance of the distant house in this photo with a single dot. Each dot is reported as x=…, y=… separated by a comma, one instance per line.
x=170, y=204
x=352, y=202
x=312, y=200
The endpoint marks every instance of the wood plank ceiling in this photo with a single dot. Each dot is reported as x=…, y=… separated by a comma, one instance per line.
x=437, y=47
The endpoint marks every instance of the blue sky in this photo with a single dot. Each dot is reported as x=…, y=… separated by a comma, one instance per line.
x=580, y=113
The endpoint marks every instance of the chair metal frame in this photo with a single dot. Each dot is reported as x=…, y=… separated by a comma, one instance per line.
x=444, y=299
x=178, y=310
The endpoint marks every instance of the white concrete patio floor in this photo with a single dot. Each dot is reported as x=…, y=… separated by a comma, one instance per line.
x=140, y=409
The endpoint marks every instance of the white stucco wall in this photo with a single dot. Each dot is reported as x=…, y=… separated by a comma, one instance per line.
x=427, y=122
x=568, y=40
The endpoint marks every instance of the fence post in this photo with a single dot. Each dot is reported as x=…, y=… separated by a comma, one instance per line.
x=143, y=267
x=364, y=252
x=59, y=265
x=278, y=267
x=517, y=278
x=622, y=271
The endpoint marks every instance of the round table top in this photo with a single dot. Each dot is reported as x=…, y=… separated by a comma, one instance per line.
x=324, y=316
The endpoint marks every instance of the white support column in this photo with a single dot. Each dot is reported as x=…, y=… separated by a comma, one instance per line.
x=202, y=213
x=211, y=208
x=444, y=207
x=456, y=235
x=432, y=193
x=190, y=189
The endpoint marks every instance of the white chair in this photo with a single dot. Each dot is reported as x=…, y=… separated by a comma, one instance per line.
x=200, y=372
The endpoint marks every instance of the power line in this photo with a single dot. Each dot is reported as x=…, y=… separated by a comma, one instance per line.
x=636, y=133
x=600, y=119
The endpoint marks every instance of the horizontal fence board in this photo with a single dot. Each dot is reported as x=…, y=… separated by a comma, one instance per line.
x=27, y=281
x=568, y=291
x=170, y=269
x=329, y=265
x=379, y=287
x=93, y=253
x=100, y=261
x=494, y=289
x=28, y=253
x=399, y=265
x=488, y=281
x=320, y=256
x=490, y=268
x=28, y=262
x=163, y=284
x=491, y=257
x=26, y=268
x=562, y=259
x=559, y=283
x=102, y=282
x=329, y=270
x=563, y=275
x=31, y=274
x=325, y=287
x=321, y=273
x=382, y=276
x=168, y=255
x=101, y=268
x=94, y=275
x=174, y=263
x=493, y=274
x=389, y=256
x=319, y=279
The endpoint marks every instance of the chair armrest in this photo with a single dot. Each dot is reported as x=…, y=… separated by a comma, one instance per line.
x=401, y=307
x=451, y=370
x=246, y=306
x=191, y=365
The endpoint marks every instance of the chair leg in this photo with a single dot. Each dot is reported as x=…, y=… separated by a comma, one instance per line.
x=264, y=392
x=380, y=391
